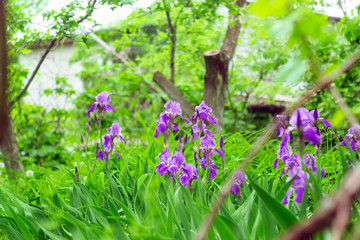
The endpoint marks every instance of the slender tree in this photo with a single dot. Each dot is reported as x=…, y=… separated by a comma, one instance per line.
x=8, y=145
x=216, y=76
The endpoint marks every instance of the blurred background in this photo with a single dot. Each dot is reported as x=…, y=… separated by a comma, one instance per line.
x=120, y=46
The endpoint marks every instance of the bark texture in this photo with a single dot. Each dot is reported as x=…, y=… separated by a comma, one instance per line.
x=217, y=68
x=9, y=149
x=3, y=73
x=216, y=77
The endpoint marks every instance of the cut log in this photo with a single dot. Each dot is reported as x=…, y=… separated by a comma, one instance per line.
x=169, y=88
x=217, y=67
x=215, y=84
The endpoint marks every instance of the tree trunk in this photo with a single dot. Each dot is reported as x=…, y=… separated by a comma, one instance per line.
x=216, y=82
x=217, y=68
x=216, y=76
x=3, y=73
x=8, y=144
x=9, y=149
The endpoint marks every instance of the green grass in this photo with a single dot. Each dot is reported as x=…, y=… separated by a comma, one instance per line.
x=131, y=201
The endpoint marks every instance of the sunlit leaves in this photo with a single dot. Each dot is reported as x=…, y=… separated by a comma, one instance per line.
x=292, y=72
x=271, y=8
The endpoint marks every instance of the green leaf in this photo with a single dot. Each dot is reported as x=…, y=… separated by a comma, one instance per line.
x=268, y=224
x=281, y=193
x=19, y=222
x=344, y=162
x=292, y=72
x=283, y=216
x=223, y=229
x=11, y=233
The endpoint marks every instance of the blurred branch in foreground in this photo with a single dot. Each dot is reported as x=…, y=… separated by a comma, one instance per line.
x=322, y=82
x=335, y=212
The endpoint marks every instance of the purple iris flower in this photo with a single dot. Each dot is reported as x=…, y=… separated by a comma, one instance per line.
x=202, y=112
x=239, y=179
x=177, y=161
x=101, y=104
x=173, y=109
x=187, y=174
x=200, y=118
x=316, y=116
x=290, y=163
x=207, y=144
x=105, y=153
x=170, y=164
x=162, y=167
x=115, y=131
x=213, y=167
x=162, y=123
x=166, y=120
x=302, y=119
x=282, y=125
x=283, y=147
x=298, y=185
x=352, y=138
x=293, y=167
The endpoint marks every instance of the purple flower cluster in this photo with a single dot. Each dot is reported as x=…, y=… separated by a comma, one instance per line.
x=174, y=163
x=109, y=144
x=239, y=178
x=114, y=131
x=171, y=164
x=352, y=138
x=294, y=169
x=101, y=104
x=199, y=120
x=305, y=122
x=166, y=120
x=206, y=152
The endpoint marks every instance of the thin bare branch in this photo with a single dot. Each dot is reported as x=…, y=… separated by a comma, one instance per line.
x=33, y=74
x=48, y=49
x=322, y=82
x=342, y=8
x=232, y=33
x=107, y=47
x=172, y=35
x=91, y=9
